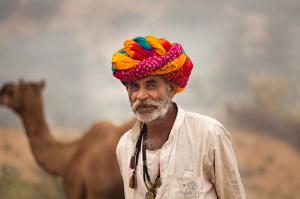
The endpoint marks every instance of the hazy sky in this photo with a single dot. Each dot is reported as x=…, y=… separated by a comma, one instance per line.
x=70, y=44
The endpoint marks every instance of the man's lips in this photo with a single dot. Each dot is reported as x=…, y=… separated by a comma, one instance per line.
x=145, y=107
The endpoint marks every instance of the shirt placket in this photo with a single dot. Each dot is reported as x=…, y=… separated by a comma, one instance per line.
x=165, y=163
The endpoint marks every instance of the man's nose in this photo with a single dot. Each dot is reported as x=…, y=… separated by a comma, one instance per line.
x=142, y=94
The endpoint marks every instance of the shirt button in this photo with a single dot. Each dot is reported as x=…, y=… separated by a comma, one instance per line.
x=163, y=170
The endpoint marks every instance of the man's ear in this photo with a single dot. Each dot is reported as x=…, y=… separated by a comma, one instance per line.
x=172, y=88
x=127, y=86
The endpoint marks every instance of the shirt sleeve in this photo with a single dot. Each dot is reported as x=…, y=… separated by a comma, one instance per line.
x=227, y=179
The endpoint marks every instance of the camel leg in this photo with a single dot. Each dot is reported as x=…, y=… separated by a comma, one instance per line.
x=102, y=188
x=104, y=195
x=74, y=188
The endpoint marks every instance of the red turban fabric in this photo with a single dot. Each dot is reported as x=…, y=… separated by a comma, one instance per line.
x=149, y=55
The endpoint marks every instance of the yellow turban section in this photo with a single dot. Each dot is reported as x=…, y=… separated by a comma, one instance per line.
x=150, y=55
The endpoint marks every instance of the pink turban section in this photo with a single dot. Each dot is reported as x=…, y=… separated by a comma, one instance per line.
x=149, y=55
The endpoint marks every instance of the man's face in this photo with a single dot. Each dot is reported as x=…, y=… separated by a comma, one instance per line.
x=149, y=98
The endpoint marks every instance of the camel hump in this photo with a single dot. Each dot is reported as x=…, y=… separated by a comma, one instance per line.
x=102, y=124
x=128, y=125
x=101, y=129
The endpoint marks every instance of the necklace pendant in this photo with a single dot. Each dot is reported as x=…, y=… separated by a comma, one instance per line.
x=157, y=182
x=154, y=192
x=149, y=195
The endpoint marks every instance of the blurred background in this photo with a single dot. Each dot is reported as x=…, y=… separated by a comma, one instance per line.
x=246, y=57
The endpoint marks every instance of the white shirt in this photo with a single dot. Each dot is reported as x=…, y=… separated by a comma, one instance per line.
x=196, y=162
x=153, y=158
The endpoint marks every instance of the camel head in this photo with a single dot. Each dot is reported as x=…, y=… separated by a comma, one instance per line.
x=17, y=96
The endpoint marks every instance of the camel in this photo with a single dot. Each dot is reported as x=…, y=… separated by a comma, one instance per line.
x=88, y=166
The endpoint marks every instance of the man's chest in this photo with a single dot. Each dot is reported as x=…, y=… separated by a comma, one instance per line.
x=183, y=166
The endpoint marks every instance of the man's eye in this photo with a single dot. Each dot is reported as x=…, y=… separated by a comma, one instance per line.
x=133, y=87
x=151, y=85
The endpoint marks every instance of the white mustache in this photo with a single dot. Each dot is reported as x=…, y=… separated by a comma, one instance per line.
x=144, y=102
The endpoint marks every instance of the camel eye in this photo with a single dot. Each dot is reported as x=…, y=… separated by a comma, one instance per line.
x=10, y=93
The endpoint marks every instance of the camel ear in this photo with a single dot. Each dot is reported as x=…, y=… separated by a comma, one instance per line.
x=21, y=83
x=42, y=84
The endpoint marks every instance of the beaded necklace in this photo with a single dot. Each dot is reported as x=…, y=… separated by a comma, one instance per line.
x=151, y=193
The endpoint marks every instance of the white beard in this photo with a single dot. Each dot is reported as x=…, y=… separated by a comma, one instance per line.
x=162, y=105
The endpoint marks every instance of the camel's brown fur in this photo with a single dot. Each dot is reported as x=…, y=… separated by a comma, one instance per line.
x=88, y=166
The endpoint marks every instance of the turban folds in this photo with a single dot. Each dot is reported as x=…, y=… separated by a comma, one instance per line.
x=149, y=55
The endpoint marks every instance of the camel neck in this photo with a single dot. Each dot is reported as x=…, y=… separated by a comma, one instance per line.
x=34, y=121
x=50, y=154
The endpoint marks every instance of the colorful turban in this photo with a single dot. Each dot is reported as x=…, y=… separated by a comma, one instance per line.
x=149, y=55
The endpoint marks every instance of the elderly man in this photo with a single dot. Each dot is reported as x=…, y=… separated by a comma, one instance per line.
x=169, y=153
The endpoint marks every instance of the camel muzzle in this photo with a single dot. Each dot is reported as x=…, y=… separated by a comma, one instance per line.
x=3, y=101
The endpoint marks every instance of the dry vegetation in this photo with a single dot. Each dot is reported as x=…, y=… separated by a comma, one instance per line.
x=276, y=108
x=268, y=145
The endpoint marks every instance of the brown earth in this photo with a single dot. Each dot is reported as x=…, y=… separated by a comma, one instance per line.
x=269, y=167
x=20, y=175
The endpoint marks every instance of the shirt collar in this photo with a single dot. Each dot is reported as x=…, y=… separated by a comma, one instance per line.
x=134, y=133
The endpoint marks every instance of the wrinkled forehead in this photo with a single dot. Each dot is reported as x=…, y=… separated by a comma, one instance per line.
x=150, y=79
